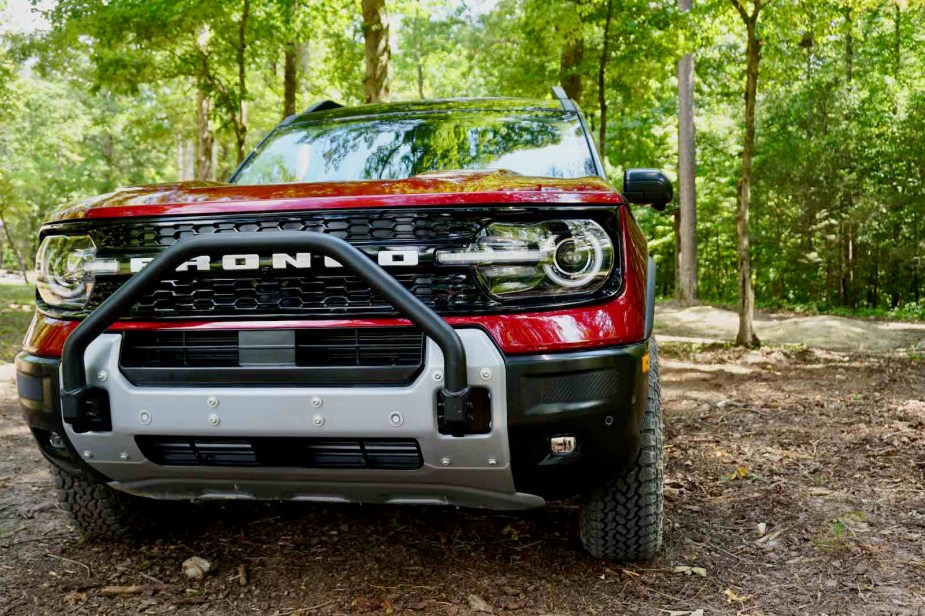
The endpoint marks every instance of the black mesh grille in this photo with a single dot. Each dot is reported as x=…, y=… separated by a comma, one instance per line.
x=443, y=226
x=344, y=347
x=172, y=349
x=382, y=454
x=312, y=295
x=317, y=292
x=360, y=347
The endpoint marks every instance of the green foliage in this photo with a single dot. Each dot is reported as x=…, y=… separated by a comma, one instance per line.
x=17, y=303
x=838, y=191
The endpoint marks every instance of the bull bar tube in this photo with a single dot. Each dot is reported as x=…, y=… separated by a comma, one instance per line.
x=78, y=400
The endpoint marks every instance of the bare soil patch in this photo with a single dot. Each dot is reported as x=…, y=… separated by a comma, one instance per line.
x=709, y=323
x=794, y=480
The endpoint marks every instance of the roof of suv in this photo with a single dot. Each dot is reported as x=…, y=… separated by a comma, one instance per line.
x=448, y=105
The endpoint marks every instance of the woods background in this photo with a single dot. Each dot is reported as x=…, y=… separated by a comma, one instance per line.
x=97, y=95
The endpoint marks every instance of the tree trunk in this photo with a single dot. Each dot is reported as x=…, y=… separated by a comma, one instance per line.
x=686, y=174
x=897, y=39
x=377, y=50
x=9, y=239
x=746, y=335
x=569, y=78
x=419, y=65
x=849, y=44
x=186, y=159
x=240, y=123
x=676, y=224
x=290, y=78
x=205, y=141
x=602, y=83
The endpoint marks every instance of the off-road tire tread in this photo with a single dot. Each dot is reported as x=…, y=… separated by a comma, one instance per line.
x=98, y=511
x=621, y=519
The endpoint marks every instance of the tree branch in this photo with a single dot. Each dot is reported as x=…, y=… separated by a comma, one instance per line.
x=741, y=9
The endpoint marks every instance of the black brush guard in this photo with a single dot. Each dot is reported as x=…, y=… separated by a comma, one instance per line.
x=84, y=407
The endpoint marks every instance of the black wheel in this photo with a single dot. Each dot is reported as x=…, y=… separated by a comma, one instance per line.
x=621, y=519
x=101, y=512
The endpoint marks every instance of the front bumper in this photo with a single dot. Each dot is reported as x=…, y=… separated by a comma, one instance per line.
x=475, y=425
x=597, y=396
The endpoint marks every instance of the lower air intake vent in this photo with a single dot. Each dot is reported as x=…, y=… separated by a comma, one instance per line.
x=382, y=454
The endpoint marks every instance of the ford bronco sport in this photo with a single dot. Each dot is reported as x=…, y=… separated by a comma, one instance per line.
x=439, y=302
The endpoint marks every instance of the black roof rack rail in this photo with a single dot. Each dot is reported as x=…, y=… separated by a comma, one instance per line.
x=323, y=106
x=558, y=93
x=319, y=106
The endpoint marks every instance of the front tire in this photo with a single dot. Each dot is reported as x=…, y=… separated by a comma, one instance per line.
x=621, y=519
x=101, y=512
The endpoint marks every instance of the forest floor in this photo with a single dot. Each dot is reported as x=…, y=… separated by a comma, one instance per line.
x=794, y=485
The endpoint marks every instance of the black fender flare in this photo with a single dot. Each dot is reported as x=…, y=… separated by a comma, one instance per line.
x=650, y=298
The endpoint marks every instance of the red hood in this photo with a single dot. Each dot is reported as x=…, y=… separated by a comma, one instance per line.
x=450, y=188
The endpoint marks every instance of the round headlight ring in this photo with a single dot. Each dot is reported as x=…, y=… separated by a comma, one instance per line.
x=591, y=270
x=62, y=276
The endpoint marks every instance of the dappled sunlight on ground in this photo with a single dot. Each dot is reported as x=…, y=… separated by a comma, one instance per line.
x=708, y=323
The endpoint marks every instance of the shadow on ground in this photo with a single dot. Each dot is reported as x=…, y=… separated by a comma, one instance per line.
x=794, y=480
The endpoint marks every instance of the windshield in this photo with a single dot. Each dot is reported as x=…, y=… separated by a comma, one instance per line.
x=542, y=144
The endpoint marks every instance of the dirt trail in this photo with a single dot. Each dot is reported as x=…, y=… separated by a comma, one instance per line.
x=794, y=479
x=708, y=323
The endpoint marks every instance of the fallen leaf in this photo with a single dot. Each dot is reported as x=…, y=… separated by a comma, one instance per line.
x=686, y=570
x=365, y=604
x=478, y=604
x=196, y=567
x=733, y=597
x=132, y=590
x=75, y=597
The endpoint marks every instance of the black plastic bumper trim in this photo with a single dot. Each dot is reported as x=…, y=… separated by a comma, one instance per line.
x=650, y=297
x=44, y=416
x=596, y=396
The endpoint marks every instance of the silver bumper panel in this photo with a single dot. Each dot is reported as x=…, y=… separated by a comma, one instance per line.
x=473, y=470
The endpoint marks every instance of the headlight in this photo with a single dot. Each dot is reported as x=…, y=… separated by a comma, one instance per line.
x=65, y=270
x=555, y=257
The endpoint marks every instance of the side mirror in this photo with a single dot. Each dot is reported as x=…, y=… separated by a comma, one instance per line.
x=647, y=186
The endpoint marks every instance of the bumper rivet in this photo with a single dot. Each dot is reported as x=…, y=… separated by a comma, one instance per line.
x=123, y=456
x=485, y=374
x=492, y=461
x=144, y=417
x=446, y=461
x=396, y=419
x=318, y=420
x=101, y=376
x=608, y=421
x=214, y=419
x=212, y=402
x=438, y=376
x=317, y=402
x=87, y=454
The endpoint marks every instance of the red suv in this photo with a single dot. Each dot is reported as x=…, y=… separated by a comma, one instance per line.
x=439, y=302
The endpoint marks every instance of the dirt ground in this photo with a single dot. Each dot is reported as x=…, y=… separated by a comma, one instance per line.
x=794, y=486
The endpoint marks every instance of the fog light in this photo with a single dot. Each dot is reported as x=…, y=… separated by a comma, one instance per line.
x=563, y=445
x=55, y=440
